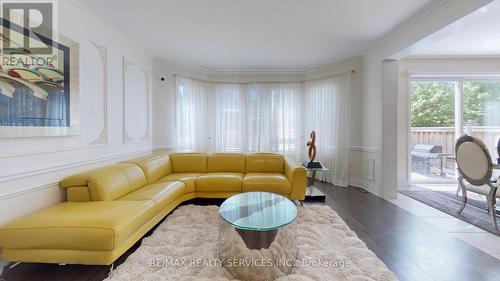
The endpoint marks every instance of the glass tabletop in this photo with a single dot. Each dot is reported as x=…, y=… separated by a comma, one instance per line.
x=258, y=211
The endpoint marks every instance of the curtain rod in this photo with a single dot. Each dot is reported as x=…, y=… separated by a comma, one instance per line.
x=262, y=82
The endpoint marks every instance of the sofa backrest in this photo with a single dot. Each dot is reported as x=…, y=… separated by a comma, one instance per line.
x=115, y=181
x=226, y=162
x=265, y=163
x=154, y=167
x=189, y=162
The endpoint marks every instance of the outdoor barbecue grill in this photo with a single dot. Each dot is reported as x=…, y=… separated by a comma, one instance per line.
x=423, y=154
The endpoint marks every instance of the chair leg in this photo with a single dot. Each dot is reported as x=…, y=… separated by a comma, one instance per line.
x=464, y=201
x=14, y=265
x=111, y=267
x=492, y=207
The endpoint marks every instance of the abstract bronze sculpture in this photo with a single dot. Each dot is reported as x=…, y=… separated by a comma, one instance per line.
x=312, y=146
x=312, y=153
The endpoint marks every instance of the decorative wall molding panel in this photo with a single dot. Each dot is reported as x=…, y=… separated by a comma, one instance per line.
x=135, y=102
x=370, y=168
x=103, y=53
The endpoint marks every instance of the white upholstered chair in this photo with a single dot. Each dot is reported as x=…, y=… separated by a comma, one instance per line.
x=475, y=170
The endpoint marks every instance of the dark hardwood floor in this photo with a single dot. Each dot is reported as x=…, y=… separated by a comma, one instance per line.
x=412, y=248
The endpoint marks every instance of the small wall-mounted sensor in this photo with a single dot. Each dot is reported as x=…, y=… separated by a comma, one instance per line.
x=162, y=79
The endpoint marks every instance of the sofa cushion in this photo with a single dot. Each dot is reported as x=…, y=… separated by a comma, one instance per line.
x=154, y=167
x=271, y=182
x=226, y=162
x=189, y=162
x=265, y=163
x=187, y=178
x=219, y=182
x=162, y=193
x=96, y=226
x=116, y=181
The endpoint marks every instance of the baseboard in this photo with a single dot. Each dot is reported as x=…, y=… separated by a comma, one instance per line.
x=368, y=186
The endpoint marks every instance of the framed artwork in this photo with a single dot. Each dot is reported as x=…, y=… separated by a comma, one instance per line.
x=38, y=90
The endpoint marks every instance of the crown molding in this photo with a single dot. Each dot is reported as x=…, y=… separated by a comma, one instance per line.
x=221, y=71
x=453, y=57
x=427, y=10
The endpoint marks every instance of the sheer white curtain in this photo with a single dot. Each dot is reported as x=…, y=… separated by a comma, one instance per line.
x=228, y=117
x=217, y=117
x=328, y=112
x=214, y=117
x=191, y=113
x=273, y=118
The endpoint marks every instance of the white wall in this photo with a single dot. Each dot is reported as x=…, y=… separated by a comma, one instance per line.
x=395, y=45
x=31, y=167
x=367, y=137
x=430, y=66
x=164, y=100
x=389, y=161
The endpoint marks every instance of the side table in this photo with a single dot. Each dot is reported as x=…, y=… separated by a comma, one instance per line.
x=312, y=192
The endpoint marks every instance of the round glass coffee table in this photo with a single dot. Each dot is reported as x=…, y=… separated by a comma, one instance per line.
x=257, y=237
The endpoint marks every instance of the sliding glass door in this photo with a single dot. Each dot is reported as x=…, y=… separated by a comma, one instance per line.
x=481, y=111
x=441, y=110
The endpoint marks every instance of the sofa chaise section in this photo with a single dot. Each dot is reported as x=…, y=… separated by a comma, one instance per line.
x=108, y=210
x=74, y=232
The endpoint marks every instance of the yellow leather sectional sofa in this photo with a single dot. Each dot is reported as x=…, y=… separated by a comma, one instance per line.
x=109, y=209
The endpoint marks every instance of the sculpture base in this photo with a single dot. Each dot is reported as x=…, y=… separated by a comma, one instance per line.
x=312, y=165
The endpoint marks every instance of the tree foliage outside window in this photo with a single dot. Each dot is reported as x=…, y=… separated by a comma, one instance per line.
x=481, y=103
x=433, y=103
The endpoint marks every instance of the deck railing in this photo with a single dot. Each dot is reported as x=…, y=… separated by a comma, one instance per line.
x=445, y=137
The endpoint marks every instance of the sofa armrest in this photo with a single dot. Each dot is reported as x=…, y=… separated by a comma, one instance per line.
x=296, y=175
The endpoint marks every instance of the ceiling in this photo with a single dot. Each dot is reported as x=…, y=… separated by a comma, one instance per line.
x=255, y=34
x=477, y=34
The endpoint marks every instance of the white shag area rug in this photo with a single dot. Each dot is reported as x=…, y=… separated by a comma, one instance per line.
x=185, y=247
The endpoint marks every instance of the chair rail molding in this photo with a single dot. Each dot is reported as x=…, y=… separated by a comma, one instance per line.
x=62, y=167
x=127, y=135
x=365, y=149
x=164, y=148
x=102, y=138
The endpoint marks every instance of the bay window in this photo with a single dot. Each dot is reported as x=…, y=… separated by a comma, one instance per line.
x=267, y=117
